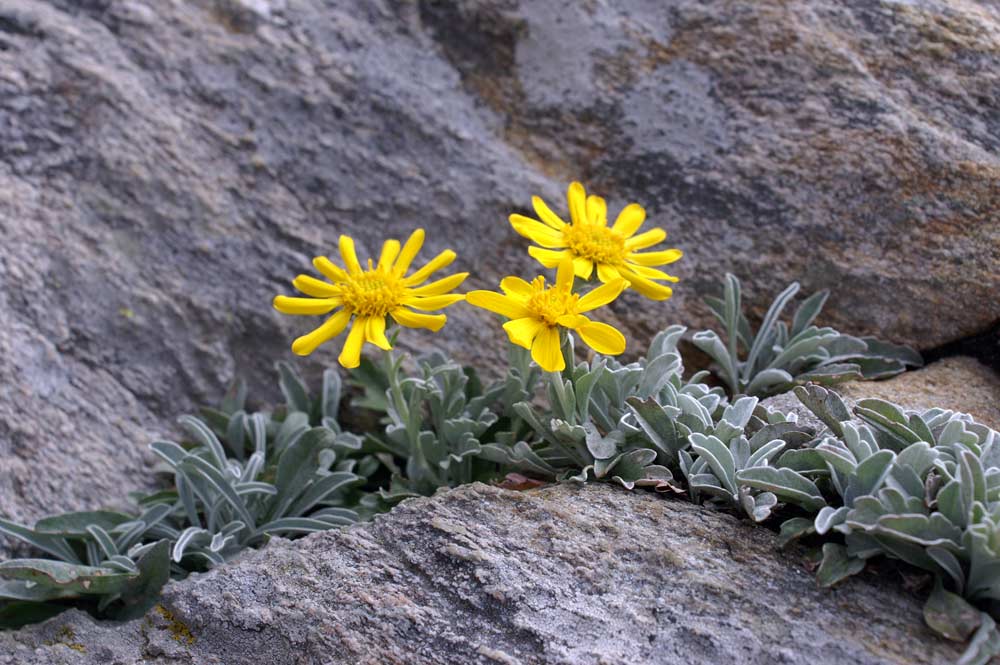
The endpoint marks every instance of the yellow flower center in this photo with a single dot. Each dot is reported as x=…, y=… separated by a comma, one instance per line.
x=548, y=304
x=598, y=243
x=375, y=292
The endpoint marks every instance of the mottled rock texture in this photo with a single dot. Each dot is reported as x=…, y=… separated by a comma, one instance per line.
x=564, y=574
x=166, y=166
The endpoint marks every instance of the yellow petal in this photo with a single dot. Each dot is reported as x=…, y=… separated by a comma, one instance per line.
x=647, y=287
x=329, y=270
x=572, y=320
x=430, y=303
x=547, y=257
x=443, y=285
x=523, y=331
x=597, y=211
x=515, y=286
x=332, y=327
x=546, y=350
x=409, y=251
x=535, y=231
x=375, y=332
x=390, y=250
x=602, y=338
x=287, y=305
x=577, y=198
x=661, y=258
x=508, y=306
x=583, y=268
x=350, y=355
x=546, y=215
x=629, y=220
x=651, y=273
x=348, y=254
x=405, y=317
x=564, y=273
x=601, y=296
x=316, y=288
x=607, y=273
x=645, y=239
x=443, y=259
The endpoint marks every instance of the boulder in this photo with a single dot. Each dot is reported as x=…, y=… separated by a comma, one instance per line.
x=167, y=166
x=563, y=574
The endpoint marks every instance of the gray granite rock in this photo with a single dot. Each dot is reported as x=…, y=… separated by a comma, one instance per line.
x=564, y=574
x=167, y=166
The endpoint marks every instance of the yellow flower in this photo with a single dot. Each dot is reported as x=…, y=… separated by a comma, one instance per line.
x=591, y=243
x=369, y=295
x=536, y=313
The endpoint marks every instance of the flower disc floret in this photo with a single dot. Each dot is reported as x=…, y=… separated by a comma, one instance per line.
x=367, y=296
x=537, y=313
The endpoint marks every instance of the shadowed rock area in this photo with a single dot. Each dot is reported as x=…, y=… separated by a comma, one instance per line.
x=168, y=166
x=564, y=574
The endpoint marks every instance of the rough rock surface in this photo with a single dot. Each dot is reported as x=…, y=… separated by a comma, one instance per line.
x=166, y=166
x=564, y=574
x=961, y=384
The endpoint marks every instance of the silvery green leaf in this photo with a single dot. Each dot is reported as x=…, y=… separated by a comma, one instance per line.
x=928, y=531
x=803, y=460
x=74, y=524
x=91, y=580
x=295, y=425
x=766, y=327
x=837, y=565
x=889, y=351
x=758, y=507
x=973, y=481
x=785, y=483
x=658, y=427
x=236, y=434
x=602, y=447
x=770, y=382
x=831, y=374
x=795, y=528
x=740, y=449
x=294, y=390
x=54, y=545
x=825, y=405
x=808, y=311
x=190, y=536
x=735, y=418
x=235, y=397
x=296, y=525
x=719, y=458
x=103, y=540
x=868, y=476
x=203, y=435
x=197, y=468
x=984, y=645
x=695, y=414
x=828, y=517
x=860, y=545
x=791, y=433
x=295, y=467
x=950, y=564
x=330, y=398
x=837, y=456
x=710, y=343
x=889, y=420
x=631, y=467
x=765, y=453
x=585, y=387
x=915, y=555
x=31, y=591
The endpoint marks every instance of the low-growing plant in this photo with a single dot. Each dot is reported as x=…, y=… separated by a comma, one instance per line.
x=782, y=355
x=267, y=474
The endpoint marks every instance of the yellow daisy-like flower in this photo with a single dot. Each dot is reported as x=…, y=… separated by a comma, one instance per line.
x=369, y=295
x=591, y=243
x=537, y=312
